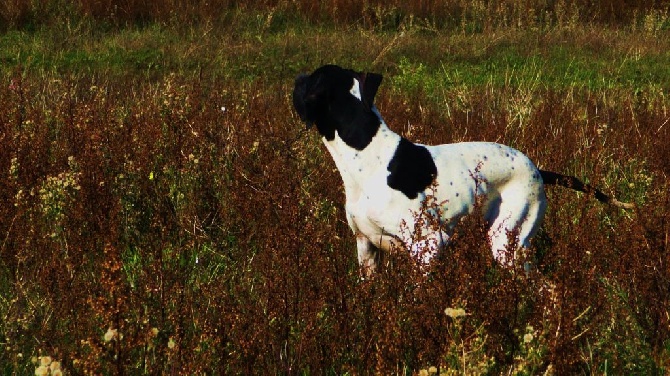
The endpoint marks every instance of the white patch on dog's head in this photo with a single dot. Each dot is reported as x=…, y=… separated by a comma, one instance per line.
x=356, y=90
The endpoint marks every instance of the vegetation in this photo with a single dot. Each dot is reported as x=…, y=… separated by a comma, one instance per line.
x=164, y=211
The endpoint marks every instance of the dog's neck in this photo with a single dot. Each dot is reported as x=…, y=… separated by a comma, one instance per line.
x=361, y=164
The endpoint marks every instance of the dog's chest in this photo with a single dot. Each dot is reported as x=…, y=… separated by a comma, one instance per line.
x=365, y=169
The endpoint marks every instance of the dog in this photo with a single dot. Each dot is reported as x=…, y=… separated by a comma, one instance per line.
x=387, y=178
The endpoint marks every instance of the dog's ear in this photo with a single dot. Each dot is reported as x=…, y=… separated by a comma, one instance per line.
x=369, y=84
x=305, y=97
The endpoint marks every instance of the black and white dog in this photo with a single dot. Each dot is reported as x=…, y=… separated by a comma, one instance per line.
x=386, y=177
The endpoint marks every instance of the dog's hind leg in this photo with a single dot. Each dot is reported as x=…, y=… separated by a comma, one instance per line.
x=530, y=225
x=519, y=217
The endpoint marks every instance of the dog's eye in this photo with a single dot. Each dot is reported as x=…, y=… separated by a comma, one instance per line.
x=310, y=98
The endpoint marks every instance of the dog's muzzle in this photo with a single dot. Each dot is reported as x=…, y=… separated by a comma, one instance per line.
x=299, y=93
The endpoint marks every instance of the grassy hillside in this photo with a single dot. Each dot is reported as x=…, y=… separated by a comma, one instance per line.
x=166, y=212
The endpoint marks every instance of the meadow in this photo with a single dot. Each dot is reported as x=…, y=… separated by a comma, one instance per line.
x=164, y=211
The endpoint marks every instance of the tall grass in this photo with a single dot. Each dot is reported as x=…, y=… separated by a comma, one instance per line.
x=165, y=211
x=470, y=15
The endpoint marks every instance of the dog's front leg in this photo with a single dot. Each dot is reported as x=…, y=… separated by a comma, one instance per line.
x=368, y=255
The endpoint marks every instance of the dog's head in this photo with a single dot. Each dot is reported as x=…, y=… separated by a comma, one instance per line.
x=337, y=99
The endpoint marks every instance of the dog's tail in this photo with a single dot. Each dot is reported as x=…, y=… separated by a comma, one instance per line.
x=553, y=178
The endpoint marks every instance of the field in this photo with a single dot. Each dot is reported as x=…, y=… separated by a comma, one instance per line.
x=164, y=211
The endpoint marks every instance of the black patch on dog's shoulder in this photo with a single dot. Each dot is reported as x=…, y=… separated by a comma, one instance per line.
x=412, y=169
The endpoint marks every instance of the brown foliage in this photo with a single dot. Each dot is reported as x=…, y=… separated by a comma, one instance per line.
x=214, y=240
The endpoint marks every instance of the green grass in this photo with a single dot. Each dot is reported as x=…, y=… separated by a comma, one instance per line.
x=256, y=47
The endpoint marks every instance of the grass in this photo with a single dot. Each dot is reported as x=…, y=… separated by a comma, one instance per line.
x=167, y=212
